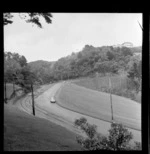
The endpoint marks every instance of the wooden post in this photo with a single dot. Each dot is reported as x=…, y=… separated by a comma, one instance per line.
x=33, y=108
x=111, y=98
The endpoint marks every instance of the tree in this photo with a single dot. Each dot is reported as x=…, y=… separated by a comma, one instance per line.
x=13, y=62
x=118, y=138
x=20, y=59
x=79, y=55
x=110, y=55
x=27, y=80
x=28, y=17
x=7, y=18
x=11, y=67
x=103, y=67
x=114, y=68
x=135, y=74
x=126, y=51
x=16, y=58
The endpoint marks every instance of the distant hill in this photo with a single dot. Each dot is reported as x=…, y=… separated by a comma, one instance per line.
x=88, y=61
x=39, y=63
x=42, y=68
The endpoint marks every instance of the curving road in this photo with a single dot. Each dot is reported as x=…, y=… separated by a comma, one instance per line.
x=60, y=115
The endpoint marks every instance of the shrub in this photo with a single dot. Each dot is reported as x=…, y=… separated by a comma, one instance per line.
x=118, y=138
x=137, y=146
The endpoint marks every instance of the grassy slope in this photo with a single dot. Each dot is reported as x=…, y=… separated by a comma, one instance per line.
x=100, y=83
x=97, y=104
x=23, y=132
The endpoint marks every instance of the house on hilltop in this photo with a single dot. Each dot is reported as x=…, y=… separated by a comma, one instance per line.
x=127, y=44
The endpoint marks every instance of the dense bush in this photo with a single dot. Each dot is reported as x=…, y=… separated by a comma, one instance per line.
x=118, y=138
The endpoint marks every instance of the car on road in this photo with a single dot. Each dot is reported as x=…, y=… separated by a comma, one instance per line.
x=52, y=100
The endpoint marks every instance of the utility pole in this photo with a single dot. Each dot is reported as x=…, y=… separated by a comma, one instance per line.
x=33, y=108
x=111, y=98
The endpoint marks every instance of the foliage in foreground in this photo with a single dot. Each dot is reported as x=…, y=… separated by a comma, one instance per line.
x=118, y=138
x=30, y=17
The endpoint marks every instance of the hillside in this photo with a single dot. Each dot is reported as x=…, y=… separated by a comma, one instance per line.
x=104, y=59
x=41, y=69
x=23, y=132
x=97, y=105
x=38, y=63
x=89, y=61
x=120, y=85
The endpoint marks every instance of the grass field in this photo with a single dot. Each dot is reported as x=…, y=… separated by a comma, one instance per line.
x=23, y=132
x=119, y=85
x=97, y=104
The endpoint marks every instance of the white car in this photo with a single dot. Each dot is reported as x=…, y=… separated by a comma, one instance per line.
x=52, y=100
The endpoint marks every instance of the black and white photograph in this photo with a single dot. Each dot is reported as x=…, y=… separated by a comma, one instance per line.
x=72, y=81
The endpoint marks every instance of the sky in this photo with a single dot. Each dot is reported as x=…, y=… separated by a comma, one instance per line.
x=70, y=32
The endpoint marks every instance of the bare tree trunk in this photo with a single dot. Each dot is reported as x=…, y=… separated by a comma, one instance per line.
x=111, y=106
x=33, y=108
